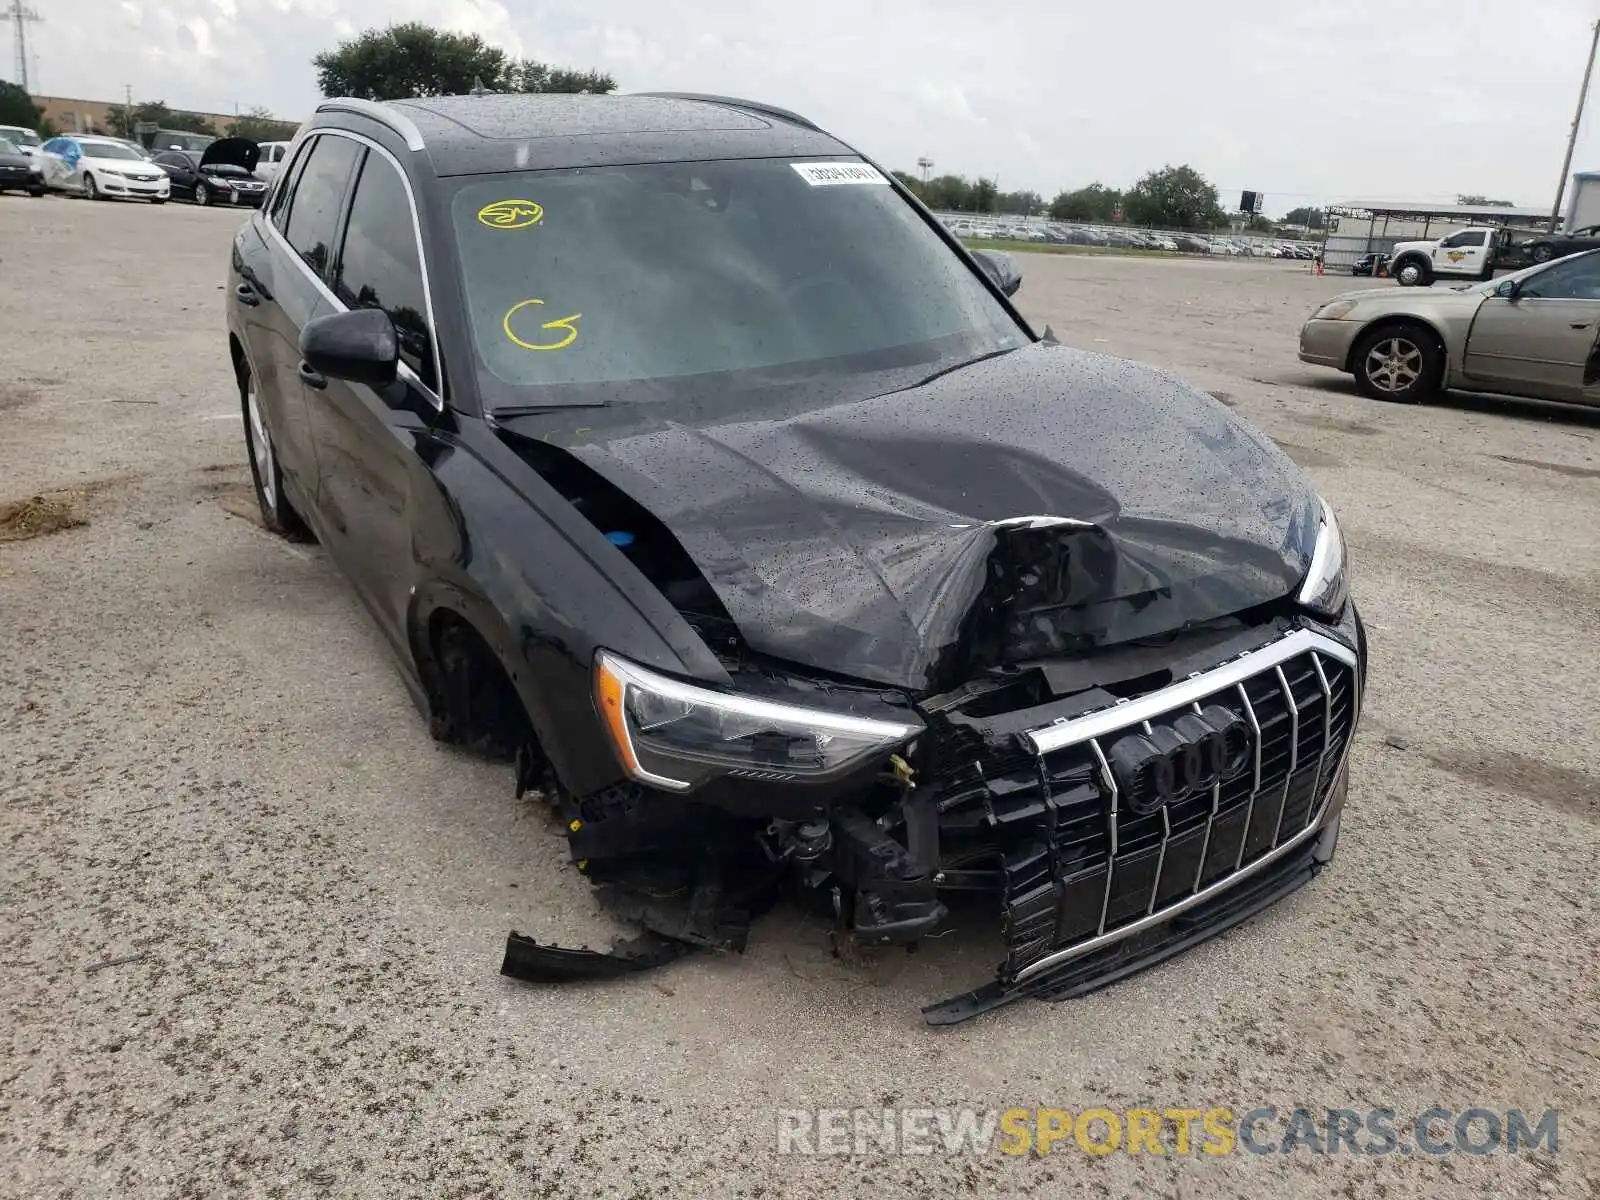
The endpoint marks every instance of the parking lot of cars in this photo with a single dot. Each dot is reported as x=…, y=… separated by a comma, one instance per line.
x=254, y=915
x=1123, y=237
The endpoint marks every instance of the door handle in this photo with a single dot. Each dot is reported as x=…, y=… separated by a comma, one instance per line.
x=246, y=295
x=1580, y=324
x=311, y=378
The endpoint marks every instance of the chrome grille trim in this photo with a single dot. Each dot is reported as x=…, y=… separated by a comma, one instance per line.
x=1102, y=940
x=1077, y=730
x=1267, y=661
x=1111, y=788
x=1205, y=842
x=1294, y=750
x=1255, y=788
x=1327, y=724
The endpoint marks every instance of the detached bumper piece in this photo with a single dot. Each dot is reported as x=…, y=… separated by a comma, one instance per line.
x=528, y=960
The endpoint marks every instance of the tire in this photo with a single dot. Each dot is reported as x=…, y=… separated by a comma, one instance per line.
x=1541, y=252
x=202, y=195
x=90, y=190
x=158, y=200
x=277, y=513
x=1412, y=272
x=1399, y=363
x=36, y=189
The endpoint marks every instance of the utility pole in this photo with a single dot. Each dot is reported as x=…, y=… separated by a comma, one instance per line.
x=21, y=15
x=1572, y=138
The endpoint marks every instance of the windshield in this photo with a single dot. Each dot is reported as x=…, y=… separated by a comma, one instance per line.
x=19, y=137
x=646, y=275
x=7, y=148
x=111, y=150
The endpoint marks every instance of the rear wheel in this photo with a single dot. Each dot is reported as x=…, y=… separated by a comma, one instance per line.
x=1402, y=363
x=277, y=513
x=1541, y=252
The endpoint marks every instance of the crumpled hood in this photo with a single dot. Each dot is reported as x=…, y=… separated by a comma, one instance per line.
x=1040, y=503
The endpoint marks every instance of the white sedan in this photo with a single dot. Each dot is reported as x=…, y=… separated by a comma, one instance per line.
x=102, y=168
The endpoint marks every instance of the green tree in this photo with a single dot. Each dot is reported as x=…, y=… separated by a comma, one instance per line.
x=984, y=195
x=910, y=180
x=259, y=125
x=414, y=59
x=1021, y=203
x=1097, y=202
x=1174, y=198
x=948, y=193
x=1311, y=218
x=123, y=119
x=18, y=108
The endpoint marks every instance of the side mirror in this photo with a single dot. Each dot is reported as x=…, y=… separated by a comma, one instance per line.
x=1508, y=289
x=1001, y=268
x=359, y=345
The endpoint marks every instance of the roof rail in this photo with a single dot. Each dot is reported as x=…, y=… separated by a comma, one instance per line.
x=771, y=110
x=384, y=114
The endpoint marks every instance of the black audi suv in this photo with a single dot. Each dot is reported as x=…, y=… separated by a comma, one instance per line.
x=688, y=462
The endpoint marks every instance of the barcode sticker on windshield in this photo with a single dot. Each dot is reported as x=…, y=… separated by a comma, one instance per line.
x=828, y=174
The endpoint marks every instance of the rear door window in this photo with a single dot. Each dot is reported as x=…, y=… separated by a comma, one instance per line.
x=317, y=195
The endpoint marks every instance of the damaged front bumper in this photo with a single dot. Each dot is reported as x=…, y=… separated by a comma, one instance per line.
x=1116, y=825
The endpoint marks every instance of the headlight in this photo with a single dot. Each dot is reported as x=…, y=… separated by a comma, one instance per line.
x=1333, y=310
x=675, y=735
x=109, y=171
x=218, y=183
x=1326, y=587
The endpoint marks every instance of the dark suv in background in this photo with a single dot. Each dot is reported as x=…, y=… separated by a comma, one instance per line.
x=685, y=459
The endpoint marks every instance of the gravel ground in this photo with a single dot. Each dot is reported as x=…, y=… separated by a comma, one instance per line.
x=207, y=762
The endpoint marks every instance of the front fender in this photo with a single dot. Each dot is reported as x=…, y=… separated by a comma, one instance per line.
x=544, y=589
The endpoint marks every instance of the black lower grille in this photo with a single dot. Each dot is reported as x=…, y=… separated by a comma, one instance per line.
x=1074, y=867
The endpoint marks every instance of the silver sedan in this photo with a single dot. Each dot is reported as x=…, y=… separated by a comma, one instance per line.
x=1530, y=334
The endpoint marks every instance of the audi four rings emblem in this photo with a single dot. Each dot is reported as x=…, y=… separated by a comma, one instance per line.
x=1180, y=757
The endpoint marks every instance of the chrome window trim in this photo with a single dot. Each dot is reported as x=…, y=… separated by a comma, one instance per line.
x=1076, y=730
x=383, y=114
x=437, y=397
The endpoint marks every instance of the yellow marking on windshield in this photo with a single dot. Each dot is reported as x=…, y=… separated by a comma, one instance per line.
x=560, y=323
x=510, y=214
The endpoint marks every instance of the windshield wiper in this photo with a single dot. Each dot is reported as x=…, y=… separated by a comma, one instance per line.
x=541, y=410
x=959, y=366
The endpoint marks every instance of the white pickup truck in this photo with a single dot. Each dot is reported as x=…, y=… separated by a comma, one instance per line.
x=1464, y=254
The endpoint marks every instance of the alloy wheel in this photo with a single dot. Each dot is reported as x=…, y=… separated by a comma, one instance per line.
x=1394, y=365
x=261, y=447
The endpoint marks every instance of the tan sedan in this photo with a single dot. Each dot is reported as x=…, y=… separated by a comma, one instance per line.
x=1529, y=334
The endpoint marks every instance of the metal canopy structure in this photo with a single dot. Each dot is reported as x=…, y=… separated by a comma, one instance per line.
x=1345, y=246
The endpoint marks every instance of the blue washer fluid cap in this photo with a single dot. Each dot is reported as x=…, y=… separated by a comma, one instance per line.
x=620, y=538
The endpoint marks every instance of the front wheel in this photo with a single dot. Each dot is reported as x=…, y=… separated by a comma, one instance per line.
x=277, y=513
x=1400, y=363
x=202, y=194
x=1542, y=252
x=90, y=190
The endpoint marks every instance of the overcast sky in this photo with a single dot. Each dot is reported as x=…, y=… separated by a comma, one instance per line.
x=1310, y=102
